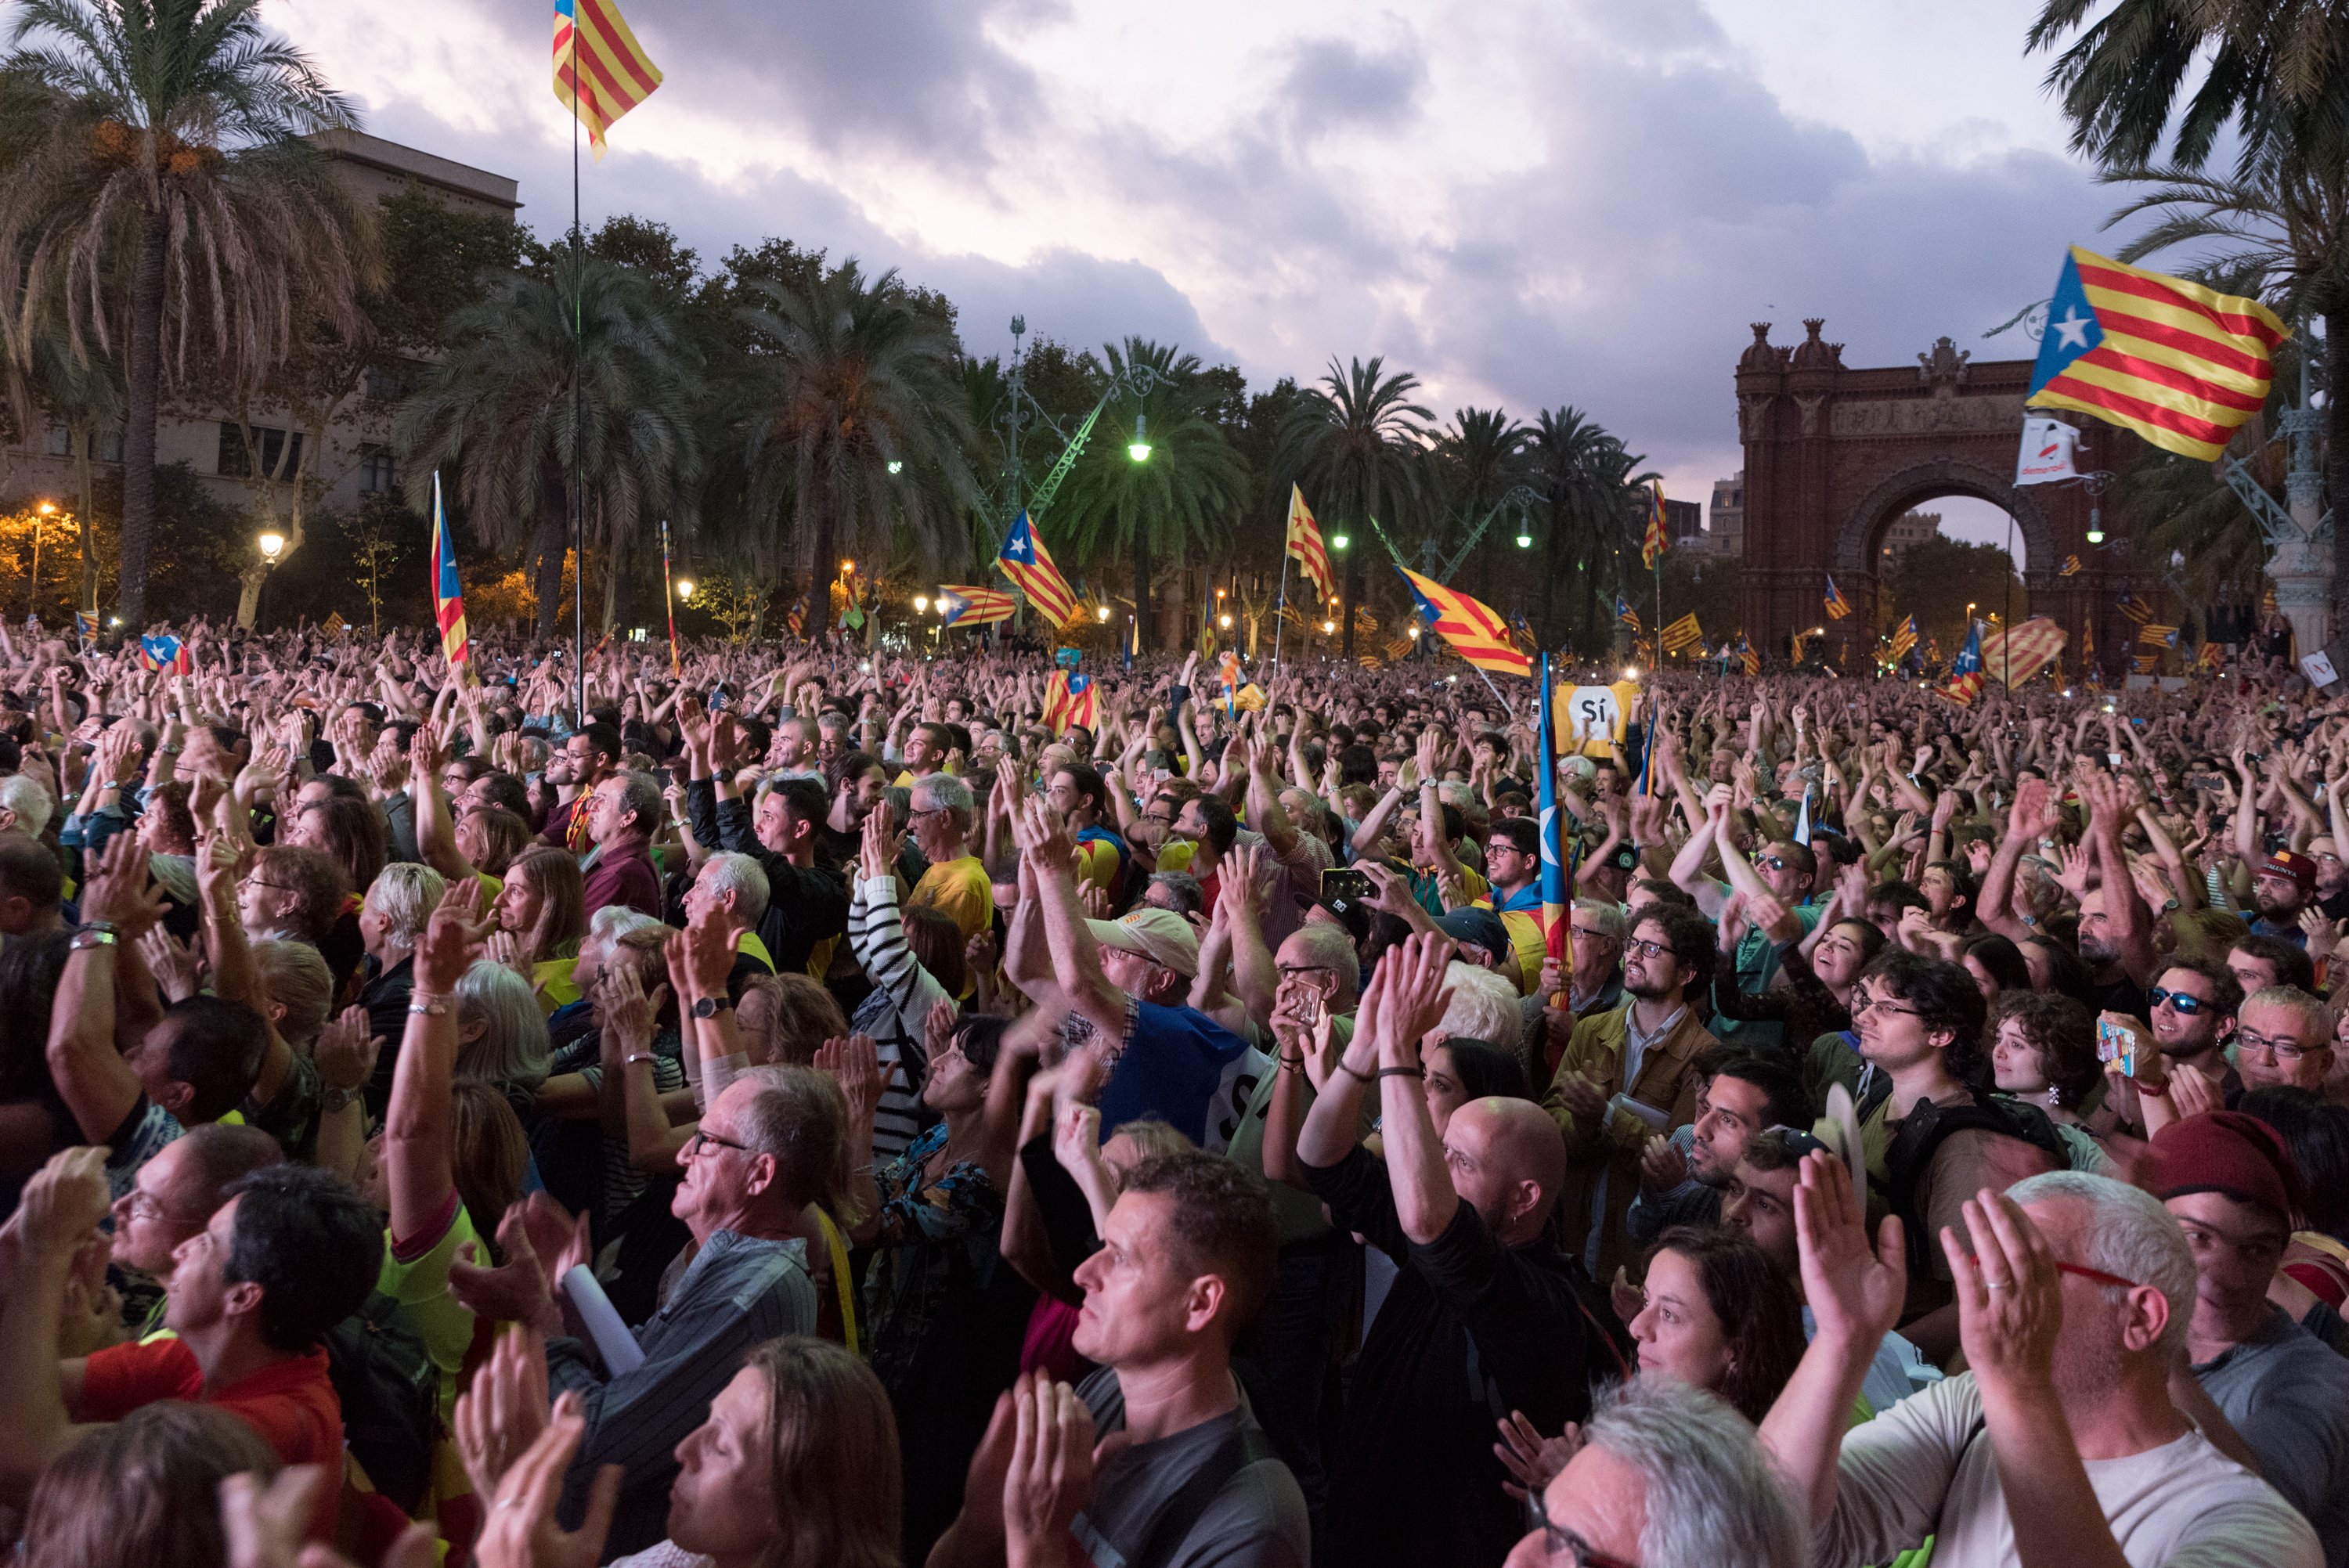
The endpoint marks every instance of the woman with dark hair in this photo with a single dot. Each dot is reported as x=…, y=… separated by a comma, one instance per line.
x=2055, y=966
x=1822, y=969
x=34, y=1121
x=1996, y=964
x=1720, y=1315
x=2043, y=1052
x=1462, y=1069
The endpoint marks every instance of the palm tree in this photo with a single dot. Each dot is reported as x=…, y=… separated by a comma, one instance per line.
x=1477, y=461
x=1184, y=497
x=157, y=179
x=499, y=410
x=2146, y=71
x=1360, y=449
x=859, y=423
x=1563, y=450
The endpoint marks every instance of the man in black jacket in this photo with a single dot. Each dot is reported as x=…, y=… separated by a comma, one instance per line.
x=806, y=904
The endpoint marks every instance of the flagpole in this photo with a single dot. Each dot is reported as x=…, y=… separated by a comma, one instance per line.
x=668, y=597
x=579, y=412
x=1280, y=609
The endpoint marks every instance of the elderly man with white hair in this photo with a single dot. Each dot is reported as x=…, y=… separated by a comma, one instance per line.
x=732, y=887
x=957, y=883
x=2060, y=1445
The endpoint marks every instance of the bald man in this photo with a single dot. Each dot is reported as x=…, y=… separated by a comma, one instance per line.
x=1484, y=1314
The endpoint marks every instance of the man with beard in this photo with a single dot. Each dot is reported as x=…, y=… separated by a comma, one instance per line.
x=1630, y=1074
x=1783, y=872
x=2284, y=884
x=1683, y=1178
x=2191, y=1008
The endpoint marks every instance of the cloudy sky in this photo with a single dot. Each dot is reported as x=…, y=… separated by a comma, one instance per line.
x=1532, y=202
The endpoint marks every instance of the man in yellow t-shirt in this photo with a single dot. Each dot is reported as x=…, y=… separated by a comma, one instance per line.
x=957, y=883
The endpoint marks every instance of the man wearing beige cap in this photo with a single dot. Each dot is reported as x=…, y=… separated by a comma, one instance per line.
x=1126, y=980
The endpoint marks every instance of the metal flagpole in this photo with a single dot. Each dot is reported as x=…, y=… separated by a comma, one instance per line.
x=578, y=410
x=1280, y=609
x=668, y=597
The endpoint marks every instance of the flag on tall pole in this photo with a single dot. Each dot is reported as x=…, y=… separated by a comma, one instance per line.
x=1904, y=637
x=601, y=72
x=1557, y=879
x=1682, y=634
x=1304, y=542
x=448, y=596
x=1837, y=606
x=1027, y=563
x=1966, y=676
x=1475, y=631
x=2182, y=365
x=1626, y=615
x=965, y=605
x=668, y=597
x=1655, y=541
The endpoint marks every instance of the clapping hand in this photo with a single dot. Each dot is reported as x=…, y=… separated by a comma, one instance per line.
x=520, y=1531
x=1533, y=1461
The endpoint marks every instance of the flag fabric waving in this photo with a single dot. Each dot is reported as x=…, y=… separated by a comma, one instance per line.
x=1626, y=615
x=86, y=627
x=972, y=607
x=1556, y=880
x=2180, y=365
x=165, y=652
x=1837, y=605
x=2135, y=609
x=2071, y=567
x=1682, y=634
x=1027, y=563
x=334, y=625
x=2153, y=634
x=1748, y=660
x=1304, y=542
x=1472, y=627
x=593, y=46
x=1069, y=699
x=2015, y=657
x=1904, y=637
x=447, y=596
x=795, y=619
x=2147, y=663
x=1965, y=682
x=2212, y=655
x=1655, y=542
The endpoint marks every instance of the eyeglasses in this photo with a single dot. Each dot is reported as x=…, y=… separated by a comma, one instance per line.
x=1593, y=934
x=703, y=1137
x=1561, y=1547
x=1772, y=863
x=1863, y=1003
x=2286, y=1052
x=2179, y=1001
x=1641, y=947
x=1290, y=971
x=252, y=879
x=2098, y=1276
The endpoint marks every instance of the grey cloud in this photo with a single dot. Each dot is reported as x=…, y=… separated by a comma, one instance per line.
x=1333, y=79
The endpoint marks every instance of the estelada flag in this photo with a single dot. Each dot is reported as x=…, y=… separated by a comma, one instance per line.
x=1837, y=605
x=2071, y=567
x=1475, y=631
x=1304, y=542
x=1682, y=634
x=2135, y=609
x=1655, y=541
x=2212, y=655
x=1070, y=700
x=2153, y=634
x=1966, y=676
x=1748, y=659
x=2182, y=365
x=165, y=652
x=1904, y=637
x=1026, y=561
x=796, y=618
x=2015, y=656
x=593, y=48
x=972, y=606
x=1626, y=615
x=1557, y=877
x=334, y=625
x=448, y=596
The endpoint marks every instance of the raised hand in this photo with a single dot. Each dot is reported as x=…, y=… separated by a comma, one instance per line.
x=2010, y=1300
x=1854, y=1292
x=854, y=1065
x=346, y=1053
x=1533, y=1461
x=520, y=1530
x=1050, y=1475
x=502, y=1414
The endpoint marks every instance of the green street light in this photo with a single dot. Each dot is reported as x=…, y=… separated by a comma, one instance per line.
x=1138, y=448
x=1525, y=541
x=897, y=465
x=1339, y=541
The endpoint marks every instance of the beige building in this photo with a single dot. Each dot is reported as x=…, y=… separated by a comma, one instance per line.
x=1725, y=533
x=355, y=459
x=1903, y=533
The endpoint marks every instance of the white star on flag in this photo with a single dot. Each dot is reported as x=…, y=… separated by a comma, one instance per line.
x=2072, y=332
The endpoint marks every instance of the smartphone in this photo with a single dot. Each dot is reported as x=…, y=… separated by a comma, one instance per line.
x=717, y=700
x=2112, y=759
x=1342, y=882
x=2115, y=1044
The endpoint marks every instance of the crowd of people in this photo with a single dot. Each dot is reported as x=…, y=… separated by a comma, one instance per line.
x=795, y=1106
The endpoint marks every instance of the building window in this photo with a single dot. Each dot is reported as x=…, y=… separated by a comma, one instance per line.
x=60, y=441
x=393, y=381
x=106, y=446
x=237, y=462
x=377, y=474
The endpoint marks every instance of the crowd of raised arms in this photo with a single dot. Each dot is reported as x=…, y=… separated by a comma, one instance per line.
x=789, y=1108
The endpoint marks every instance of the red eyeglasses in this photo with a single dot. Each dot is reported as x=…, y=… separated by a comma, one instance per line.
x=2094, y=1276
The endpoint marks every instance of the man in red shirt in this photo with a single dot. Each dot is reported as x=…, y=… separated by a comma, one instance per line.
x=623, y=815
x=292, y=1251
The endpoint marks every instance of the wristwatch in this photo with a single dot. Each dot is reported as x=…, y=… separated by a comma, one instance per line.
x=333, y=1099
x=710, y=1007
x=432, y=1007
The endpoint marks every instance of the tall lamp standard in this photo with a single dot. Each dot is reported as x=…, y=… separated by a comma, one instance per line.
x=273, y=545
x=41, y=514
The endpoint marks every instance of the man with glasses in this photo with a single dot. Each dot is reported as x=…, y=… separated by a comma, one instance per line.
x=764, y=1151
x=175, y=1195
x=2283, y=1039
x=2060, y=1445
x=957, y=883
x=623, y=815
x=1664, y=1474
x=2233, y=1187
x=2191, y=1008
x=1512, y=865
x=1628, y=1075
x=586, y=757
x=1783, y=872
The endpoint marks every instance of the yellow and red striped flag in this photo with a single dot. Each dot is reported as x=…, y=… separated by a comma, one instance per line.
x=595, y=50
x=2135, y=609
x=447, y=594
x=1026, y=561
x=1655, y=542
x=1304, y=542
x=1837, y=606
x=2180, y=365
x=1682, y=634
x=1904, y=637
x=1069, y=699
x=2153, y=634
x=1474, y=630
x=2071, y=567
x=963, y=606
x=2017, y=655
x=2212, y=655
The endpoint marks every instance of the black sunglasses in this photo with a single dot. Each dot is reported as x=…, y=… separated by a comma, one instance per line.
x=2179, y=1000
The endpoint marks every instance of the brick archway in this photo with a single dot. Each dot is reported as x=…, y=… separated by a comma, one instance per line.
x=1833, y=454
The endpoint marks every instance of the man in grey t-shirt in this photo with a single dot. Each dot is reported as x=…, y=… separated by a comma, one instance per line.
x=1181, y=1476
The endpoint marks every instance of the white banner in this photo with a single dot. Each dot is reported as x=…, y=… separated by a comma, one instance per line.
x=2318, y=667
x=2046, y=454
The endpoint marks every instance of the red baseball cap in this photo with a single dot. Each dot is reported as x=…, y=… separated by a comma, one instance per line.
x=2291, y=864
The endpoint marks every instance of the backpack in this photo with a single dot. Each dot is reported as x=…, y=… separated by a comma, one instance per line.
x=390, y=1393
x=1910, y=1153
